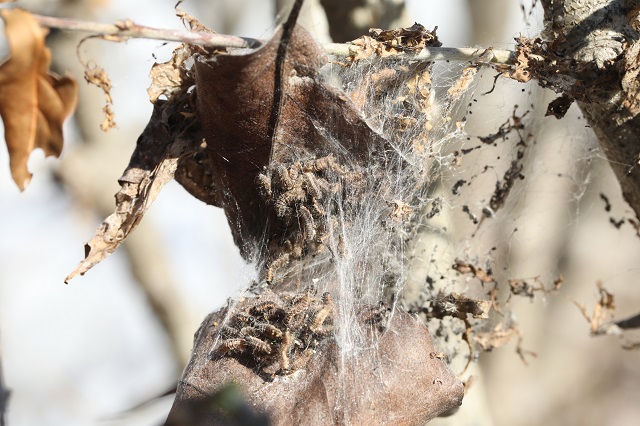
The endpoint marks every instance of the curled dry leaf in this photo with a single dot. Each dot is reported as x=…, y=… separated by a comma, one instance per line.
x=602, y=311
x=463, y=267
x=97, y=76
x=169, y=137
x=169, y=77
x=192, y=23
x=521, y=72
x=33, y=101
x=385, y=43
x=502, y=334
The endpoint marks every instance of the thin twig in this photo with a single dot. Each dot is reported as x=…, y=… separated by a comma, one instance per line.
x=126, y=29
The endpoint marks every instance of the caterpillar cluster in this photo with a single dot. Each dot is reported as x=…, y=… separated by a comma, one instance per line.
x=269, y=332
x=306, y=198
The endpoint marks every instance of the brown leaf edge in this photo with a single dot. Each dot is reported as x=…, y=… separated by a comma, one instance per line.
x=34, y=102
x=172, y=134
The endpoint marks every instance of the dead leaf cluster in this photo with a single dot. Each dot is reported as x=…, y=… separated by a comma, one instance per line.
x=385, y=43
x=499, y=336
x=463, y=267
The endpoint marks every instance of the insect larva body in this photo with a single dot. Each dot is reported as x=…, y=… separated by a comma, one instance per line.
x=283, y=177
x=242, y=318
x=299, y=305
x=271, y=331
x=264, y=183
x=257, y=345
x=317, y=322
x=232, y=345
x=308, y=224
x=285, y=348
x=287, y=199
x=275, y=265
x=261, y=309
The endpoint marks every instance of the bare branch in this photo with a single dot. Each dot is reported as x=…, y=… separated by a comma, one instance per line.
x=129, y=29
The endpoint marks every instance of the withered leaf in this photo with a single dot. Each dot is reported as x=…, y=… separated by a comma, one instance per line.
x=168, y=78
x=521, y=72
x=385, y=43
x=168, y=138
x=559, y=106
x=463, y=82
x=469, y=268
x=602, y=311
x=33, y=101
x=93, y=74
x=192, y=23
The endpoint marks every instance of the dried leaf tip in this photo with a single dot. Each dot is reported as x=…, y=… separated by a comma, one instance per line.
x=34, y=102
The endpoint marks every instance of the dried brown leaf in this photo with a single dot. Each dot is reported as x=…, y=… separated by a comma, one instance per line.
x=168, y=138
x=499, y=336
x=385, y=43
x=559, y=106
x=463, y=267
x=458, y=306
x=394, y=379
x=526, y=287
x=242, y=136
x=602, y=311
x=97, y=76
x=169, y=77
x=521, y=72
x=33, y=101
x=193, y=24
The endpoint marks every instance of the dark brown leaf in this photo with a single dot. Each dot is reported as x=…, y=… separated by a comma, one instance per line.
x=235, y=102
x=396, y=380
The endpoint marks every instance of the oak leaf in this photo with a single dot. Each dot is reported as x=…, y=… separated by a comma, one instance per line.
x=33, y=101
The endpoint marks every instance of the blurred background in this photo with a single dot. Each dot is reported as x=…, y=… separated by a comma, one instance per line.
x=89, y=352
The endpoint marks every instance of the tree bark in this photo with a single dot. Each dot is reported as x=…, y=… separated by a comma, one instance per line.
x=599, y=36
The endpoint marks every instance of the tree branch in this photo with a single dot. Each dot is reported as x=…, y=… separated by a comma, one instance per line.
x=129, y=29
